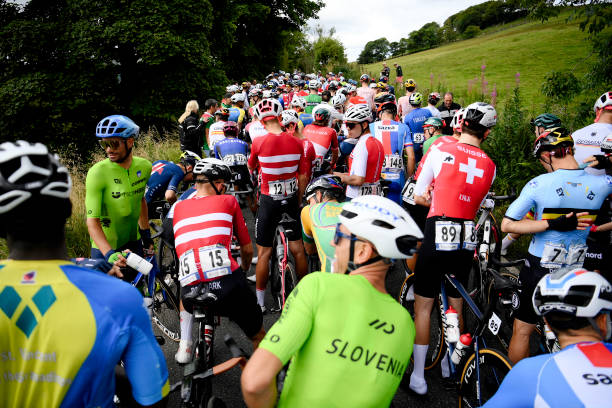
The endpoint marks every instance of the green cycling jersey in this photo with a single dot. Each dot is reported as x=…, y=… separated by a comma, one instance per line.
x=318, y=227
x=350, y=343
x=312, y=100
x=114, y=195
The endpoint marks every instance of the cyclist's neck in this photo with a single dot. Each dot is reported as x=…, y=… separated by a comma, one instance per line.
x=566, y=163
x=375, y=274
x=469, y=139
x=127, y=162
x=568, y=340
x=273, y=126
x=30, y=251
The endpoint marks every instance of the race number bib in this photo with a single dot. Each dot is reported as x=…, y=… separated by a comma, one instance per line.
x=469, y=236
x=576, y=254
x=281, y=189
x=393, y=161
x=235, y=159
x=215, y=261
x=494, y=324
x=370, y=189
x=408, y=192
x=553, y=256
x=188, y=270
x=418, y=137
x=448, y=235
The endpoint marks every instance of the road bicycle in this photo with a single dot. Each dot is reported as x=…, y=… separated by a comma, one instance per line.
x=283, y=276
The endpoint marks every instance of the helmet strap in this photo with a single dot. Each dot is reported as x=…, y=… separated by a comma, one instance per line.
x=214, y=187
x=351, y=263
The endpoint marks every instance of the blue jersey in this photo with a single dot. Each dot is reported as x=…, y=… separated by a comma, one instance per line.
x=64, y=329
x=580, y=375
x=414, y=120
x=165, y=175
x=306, y=118
x=233, y=151
x=554, y=194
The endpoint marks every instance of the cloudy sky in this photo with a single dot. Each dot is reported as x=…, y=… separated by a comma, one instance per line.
x=360, y=21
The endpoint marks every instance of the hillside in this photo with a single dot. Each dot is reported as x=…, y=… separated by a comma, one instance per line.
x=531, y=49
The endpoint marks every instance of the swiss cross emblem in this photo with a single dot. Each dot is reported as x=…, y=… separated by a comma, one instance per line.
x=470, y=170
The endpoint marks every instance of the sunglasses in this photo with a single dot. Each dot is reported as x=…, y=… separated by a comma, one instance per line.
x=350, y=125
x=113, y=144
x=339, y=234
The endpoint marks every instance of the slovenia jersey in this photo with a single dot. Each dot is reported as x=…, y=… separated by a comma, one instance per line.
x=165, y=175
x=580, y=375
x=233, y=151
x=587, y=141
x=414, y=120
x=558, y=193
x=64, y=329
x=366, y=161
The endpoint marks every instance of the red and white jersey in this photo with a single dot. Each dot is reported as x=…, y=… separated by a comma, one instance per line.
x=368, y=94
x=310, y=155
x=255, y=129
x=323, y=138
x=366, y=160
x=462, y=174
x=203, y=229
x=280, y=159
x=215, y=134
x=434, y=146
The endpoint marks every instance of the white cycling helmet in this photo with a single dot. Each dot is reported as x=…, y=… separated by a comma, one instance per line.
x=382, y=222
x=457, y=120
x=358, y=113
x=314, y=84
x=266, y=94
x=298, y=101
x=603, y=102
x=237, y=97
x=479, y=115
x=268, y=108
x=289, y=116
x=233, y=88
x=338, y=100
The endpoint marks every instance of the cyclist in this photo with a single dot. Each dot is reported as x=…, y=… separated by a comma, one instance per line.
x=203, y=229
x=414, y=120
x=395, y=139
x=432, y=100
x=326, y=328
x=462, y=174
x=566, y=200
x=447, y=109
x=367, y=157
x=325, y=196
x=365, y=91
x=323, y=138
x=255, y=96
x=576, y=305
x=298, y=104
x=64, y=328
x=208, y=118
x=282, y=171
x=313, y=98
x=291, y=123
x=215, y=133
x=432, y=129
x=190, y=129
x=589, y=138
x=338, y=102
x=117, y=215
x=236, y=112
x=166, y=177
x=403, y=103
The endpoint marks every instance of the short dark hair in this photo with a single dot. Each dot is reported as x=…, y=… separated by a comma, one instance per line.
x=479, y=132
x=559, y=321
x=210, y=103
x=325, y=96
x=227, y=95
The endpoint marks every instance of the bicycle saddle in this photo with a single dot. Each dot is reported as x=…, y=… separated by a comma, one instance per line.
x=200, y=294
x=501, y=283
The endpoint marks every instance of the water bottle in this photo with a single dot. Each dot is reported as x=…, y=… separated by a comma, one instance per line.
x=452, y=325
x=464, y=342
x=138, y=263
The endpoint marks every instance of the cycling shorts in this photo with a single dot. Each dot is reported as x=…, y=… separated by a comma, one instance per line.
x=234, y=300
x=242, y=177
x=432, y=264
x=269, y=215
x=418, y=213
x=530, y=275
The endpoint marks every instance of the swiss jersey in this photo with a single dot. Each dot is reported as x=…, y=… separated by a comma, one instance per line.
x=353, y=353
x=203, y=229
x=215, y=133
x=305, y=118
x=319, y=227
x=114, y=195
x=64, y=329
x=462, y=174
x=414, y=120
x=366, y=160
x=233, y=151
x=434, y=146
x=587, y=141
x=312, y=100
x=255, y=129
x=554, y=194
x=281, y=160
x=323, y=138
x=580, y=375
x=394, y=137
x=165, y=175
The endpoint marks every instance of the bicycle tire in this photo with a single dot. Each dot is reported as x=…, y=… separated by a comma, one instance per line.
x=437, y=346
x=201, y=389
x=290, y=278
x=165, y=310
x=493, y=368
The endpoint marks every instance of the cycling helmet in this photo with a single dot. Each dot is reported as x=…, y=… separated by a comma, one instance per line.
x=373, y=85
x=384, y=102
x=223, y=112
x=314, y=84
x=117, y=126
x=271, y=85
x=603, y=102
x=213, y=169
x=259, y=86
x=232, y=88
x=383, y=79
x=338, y=100
x=457, y=120
x=231, y=128
x=274, y=93
x=433, y=98
x=237, y=97
x=321, y=113
x=268, y=108
x=255, y=92
x=189, y=158
x=382, y=222
x=547, y=121
x=333, y=85
x=552, y=138
x=364, y=78
x=326, y=182
x=29, y=172
x=479, y=116
x=434, y=122
x=245, y=84
x=381, y=85
x=298, y=101
x=410, y=84
x=358, y=113
x=415, y=99
x=289, y=116
x=574, y=291
x=266, y=94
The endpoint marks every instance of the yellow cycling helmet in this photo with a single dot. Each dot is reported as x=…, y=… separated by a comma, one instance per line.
x=410, y=83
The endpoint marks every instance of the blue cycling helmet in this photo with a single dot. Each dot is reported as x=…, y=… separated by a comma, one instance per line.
x=117, y=126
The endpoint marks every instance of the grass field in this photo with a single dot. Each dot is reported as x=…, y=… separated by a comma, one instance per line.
x=531, y=49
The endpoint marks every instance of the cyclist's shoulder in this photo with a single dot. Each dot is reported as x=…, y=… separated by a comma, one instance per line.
x=593, y=129
x=141, y=162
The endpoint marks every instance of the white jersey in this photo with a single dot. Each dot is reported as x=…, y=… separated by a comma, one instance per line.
x=587, y=141
x=256, y=129
x=434, y=111
x=215, y=134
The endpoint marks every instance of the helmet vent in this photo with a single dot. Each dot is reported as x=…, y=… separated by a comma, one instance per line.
x=384, y=224
x=348, y=214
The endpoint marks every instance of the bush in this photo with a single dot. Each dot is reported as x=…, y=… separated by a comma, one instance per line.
x=471, y=32
x=561, y=86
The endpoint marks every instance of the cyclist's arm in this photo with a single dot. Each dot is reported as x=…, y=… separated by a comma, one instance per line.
x=426, y=177
x=303, y=173
x=143, y=219
x=94, y=189
x=514, y=217
x=334, y=149
x=244, y=239
x=170, y=196
x=259, y=379
x=410, y=160
x=518, y=387
x=351, y=179
x=94, y=227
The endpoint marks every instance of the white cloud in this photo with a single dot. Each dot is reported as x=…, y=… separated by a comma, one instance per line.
x=359, y=21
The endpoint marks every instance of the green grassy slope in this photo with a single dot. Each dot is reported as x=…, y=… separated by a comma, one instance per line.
x=531, y=49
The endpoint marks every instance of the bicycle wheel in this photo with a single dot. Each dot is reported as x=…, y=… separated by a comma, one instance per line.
x=437, y=346
x=289, y=277
x=493, y=367
x=165, y=311
x=167, y=261
x=201, y=388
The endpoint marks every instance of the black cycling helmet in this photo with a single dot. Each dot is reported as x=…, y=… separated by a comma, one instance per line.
x=547, y=121
x=213, y=169
x=385, y=101
x=189, y=158
x=327, y=182
x=550, y=139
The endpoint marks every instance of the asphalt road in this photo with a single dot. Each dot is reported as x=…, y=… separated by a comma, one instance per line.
x=227, y=385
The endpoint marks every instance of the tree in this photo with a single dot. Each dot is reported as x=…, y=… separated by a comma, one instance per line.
x=471, y=32
x=328, y=52
x=373, y=51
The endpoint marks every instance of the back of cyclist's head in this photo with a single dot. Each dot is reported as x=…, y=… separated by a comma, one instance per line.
x=410, y=85
x=268, y=110
x=188, y=159
x=230, y=129
x=34, y=193
x=478, y=118
x=573, y=299
x=546, y=121
x=210, y=103
x=330, y=187
x=212, y=171
x=557, y=141
x=321, y=114
x=415, y=99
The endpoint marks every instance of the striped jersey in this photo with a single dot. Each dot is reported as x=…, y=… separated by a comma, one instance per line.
x=203, y=229
x=281, y=160
x=323, y=139
x=395, y=137
x=366, y=161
